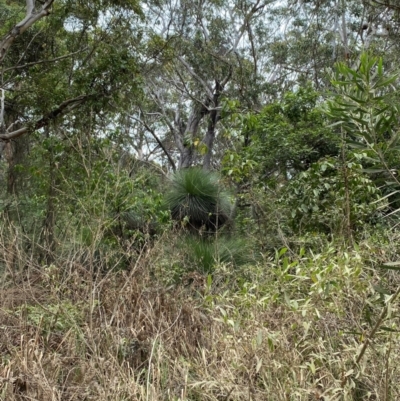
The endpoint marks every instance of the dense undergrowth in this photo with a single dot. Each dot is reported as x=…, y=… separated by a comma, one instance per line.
x=198, y=205
x=297, y=325
x=276, y=280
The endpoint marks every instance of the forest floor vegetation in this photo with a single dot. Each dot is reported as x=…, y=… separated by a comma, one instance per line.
x=291, y=326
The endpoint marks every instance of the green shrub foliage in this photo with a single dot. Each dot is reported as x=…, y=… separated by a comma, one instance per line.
x=317, y=197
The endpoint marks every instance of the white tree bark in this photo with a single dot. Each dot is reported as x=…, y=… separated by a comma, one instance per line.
x=5, y=43
x=30, y=18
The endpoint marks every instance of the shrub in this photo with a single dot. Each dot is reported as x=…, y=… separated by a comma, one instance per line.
x=317, y=197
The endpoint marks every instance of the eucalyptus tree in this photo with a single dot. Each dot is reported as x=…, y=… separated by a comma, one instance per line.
x=316, y=34
x=198, y=54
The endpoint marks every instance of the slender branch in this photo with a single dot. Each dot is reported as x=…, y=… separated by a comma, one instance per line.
x=186, y=91
x=200, y=21
x=196, y=77
x=247, y=18
x=178, y=135
x=160, y=104
x=226, y=79
x=344, y=34
x=253, y=48
x=62, y=109
x=154, y=135
x=377, y=325
x=53, y=60
x=335, y=30
x=33, y=38
x=21, y=27
x=387, y=4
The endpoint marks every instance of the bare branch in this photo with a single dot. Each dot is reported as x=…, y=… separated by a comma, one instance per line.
x=178, y=130
x=200, y=21
x=161, y=104
x=343, y=32
x=154, y=135
x=196, y=77
x=253, y=48
x=227, y=78
x=247, y=18
x=30, y=18
x=186, y=91
x=33, y=38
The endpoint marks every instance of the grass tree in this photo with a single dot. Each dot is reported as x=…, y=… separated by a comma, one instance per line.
x=203, y=254
x=197, y=200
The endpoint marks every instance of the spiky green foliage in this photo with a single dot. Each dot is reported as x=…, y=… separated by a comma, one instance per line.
x=196, y=196
x=203, y=254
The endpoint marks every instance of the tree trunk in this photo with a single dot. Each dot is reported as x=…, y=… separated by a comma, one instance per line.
x=15, y=153
x=209, y=139
x=212, y=123
x=185, y=138
x=48, y=238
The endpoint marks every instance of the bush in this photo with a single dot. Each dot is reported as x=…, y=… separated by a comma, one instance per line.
x=317, y=197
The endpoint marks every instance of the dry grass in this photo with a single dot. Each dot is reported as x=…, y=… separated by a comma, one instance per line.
x=291, y=331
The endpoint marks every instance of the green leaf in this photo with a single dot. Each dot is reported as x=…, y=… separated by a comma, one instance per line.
x=354, y=73
x=382, y=110
x=380, y=67
x=386, y=82
x=359, y=120
x=282, y=251
x=356, y=145
x=389, y=329
x=357, y=100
